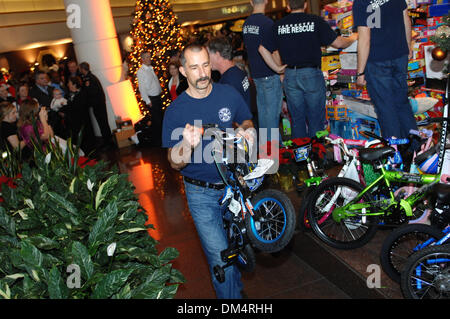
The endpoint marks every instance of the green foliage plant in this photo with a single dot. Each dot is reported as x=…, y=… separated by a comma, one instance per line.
x=72, y=228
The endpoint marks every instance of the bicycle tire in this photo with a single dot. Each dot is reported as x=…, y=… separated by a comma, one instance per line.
x=351, y=232
x=400, y=244
x=431, y=282
x=271, y=235
x=302, y=216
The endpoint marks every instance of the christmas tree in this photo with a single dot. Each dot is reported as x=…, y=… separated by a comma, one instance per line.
x=442, y=36
x=155, y=29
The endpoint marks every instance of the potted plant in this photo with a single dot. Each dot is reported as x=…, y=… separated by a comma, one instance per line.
x=71, y=228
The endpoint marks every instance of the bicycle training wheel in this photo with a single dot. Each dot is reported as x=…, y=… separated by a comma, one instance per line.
x=427, y=274
x=401, y=243
x=273, y=231
x=348, y=233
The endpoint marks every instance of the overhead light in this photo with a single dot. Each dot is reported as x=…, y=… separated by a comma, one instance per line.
x=36, y=45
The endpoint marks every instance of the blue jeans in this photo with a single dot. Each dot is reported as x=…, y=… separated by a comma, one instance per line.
x=207, y=214
x=388, y=90
x=269, y=98
x=306, y=97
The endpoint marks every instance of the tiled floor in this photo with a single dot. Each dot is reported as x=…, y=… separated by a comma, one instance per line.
x=306, y=269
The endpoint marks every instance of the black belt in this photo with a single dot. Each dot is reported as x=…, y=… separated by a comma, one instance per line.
x=203, y=184
x=302, y=66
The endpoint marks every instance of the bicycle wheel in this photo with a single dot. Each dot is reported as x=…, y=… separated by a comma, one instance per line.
x=273, y=231
x=401, y=243
x=427, y=274
x=302, y=217
x=246, y=260
x=350, y=232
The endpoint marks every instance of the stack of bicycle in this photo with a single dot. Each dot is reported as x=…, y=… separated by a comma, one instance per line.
x=375, y=187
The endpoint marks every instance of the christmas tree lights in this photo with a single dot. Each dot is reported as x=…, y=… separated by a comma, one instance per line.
x=154, y=29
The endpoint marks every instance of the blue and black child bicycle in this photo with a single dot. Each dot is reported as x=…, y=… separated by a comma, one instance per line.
x=254, y=221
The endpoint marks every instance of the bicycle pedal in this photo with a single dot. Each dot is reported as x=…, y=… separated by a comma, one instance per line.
x=229, y=254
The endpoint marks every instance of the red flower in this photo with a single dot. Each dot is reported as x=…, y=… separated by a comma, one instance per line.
x=4, y=179
x=84, y=161
x=9, y=181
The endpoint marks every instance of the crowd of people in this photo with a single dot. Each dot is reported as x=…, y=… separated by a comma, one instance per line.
x=56, y=101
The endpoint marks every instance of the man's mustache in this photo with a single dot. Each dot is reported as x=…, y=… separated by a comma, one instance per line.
x=205, y=78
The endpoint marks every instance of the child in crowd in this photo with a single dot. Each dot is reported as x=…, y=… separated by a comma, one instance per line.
x=58, y=100
x=55, y=116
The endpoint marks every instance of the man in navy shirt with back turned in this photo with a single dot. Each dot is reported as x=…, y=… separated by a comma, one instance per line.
x=269, y=92
x=384, y=46
x=204, y=102
x=221, y=55
x=297, y=39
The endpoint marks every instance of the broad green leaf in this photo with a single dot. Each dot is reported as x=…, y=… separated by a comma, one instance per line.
x=57, y=288
x=104, y=190
x=102, y=231
x=43, y=242
x=15, y=276
x=29, y=203
x=157, y=292
x=62, y=202
x=176, y=276
x=5, y=292
x=30, y=254
x=153, y=284
x=72, y=185
x=161, y=275
x=111, y=283
x=82, y=258
x=132, y=230
x=10, y=279
x=7, y=223
x=168, y=254
x=124, y=293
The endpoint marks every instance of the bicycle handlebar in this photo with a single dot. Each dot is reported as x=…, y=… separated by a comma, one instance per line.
x=375, y=136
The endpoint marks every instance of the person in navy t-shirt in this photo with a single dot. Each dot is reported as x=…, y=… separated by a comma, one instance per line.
x=204, y=102
x=221, y=55
x=384, y=46
x=269, y=92
x=297, y=39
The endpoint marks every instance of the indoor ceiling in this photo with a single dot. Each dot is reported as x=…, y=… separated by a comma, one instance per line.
x=28, y=24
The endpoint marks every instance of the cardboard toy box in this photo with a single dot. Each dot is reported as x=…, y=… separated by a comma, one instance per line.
x=331, y=62
x=121, y=137
x=351, y=127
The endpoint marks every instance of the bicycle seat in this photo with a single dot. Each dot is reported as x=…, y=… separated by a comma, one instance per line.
x=441, y=192
x=373, y=154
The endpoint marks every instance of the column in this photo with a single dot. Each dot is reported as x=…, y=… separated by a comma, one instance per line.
x=95, y=41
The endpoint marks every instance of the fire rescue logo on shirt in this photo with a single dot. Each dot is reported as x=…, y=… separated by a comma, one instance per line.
x=296, y=28
x=224, y=114
x=251, y=29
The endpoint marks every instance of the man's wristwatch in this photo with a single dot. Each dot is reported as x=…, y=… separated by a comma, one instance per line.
x=359, y=74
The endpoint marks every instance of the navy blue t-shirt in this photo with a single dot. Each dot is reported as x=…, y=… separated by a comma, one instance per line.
x=299, y=37
x=257, y=27
x=239, y=80
x=387, y=28
x=223, y=106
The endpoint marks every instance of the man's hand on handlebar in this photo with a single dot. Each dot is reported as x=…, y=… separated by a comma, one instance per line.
x=249, y=134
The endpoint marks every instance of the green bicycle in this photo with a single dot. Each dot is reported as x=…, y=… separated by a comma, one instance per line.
x=346, y=215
